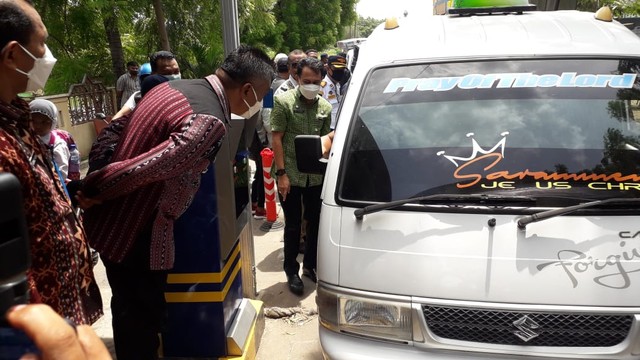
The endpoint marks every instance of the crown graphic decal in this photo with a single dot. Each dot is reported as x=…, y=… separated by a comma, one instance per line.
x=477, y=149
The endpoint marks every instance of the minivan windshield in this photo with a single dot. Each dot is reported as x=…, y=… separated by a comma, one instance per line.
x=562, y=128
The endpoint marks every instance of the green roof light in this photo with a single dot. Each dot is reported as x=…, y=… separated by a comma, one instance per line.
x=465, y=7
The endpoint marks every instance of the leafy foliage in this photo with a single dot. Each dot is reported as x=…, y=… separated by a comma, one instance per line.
x=348, y=15
x=366, y=26
x=81, y=32
x=620, y=8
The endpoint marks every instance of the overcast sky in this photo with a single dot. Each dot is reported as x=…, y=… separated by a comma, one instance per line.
x=381, y=9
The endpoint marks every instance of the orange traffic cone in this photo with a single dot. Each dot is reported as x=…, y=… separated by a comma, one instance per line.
x=269, y=184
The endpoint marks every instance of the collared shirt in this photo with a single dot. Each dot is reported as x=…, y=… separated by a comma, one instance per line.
x=289, y=84
x=292, y=116
x=332, y=93
x=128, y=85
x=263, y=126
x=61, y=272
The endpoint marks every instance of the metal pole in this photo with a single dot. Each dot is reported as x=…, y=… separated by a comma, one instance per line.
x=230, y=29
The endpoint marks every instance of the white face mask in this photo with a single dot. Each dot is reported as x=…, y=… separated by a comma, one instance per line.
x=46, y=138
x=41, y=70
x=252, y=109
x=310, y=91
x=172, y=77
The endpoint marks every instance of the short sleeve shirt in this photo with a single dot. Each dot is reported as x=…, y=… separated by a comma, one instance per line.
x=332, y=93
x=128, y=85
x=131, y=101
x=294, y=117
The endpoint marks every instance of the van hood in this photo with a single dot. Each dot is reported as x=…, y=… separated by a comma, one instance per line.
x=567, y=260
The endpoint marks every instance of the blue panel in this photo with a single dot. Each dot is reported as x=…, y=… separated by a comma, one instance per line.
x=232, y=301
x=199, y=329
x=195, y=330
x=196, y=232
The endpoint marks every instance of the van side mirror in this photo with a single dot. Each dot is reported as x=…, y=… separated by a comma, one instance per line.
x=309, y=154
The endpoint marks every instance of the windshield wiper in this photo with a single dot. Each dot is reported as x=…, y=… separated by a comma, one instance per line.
x=482, y=199
x=522, y=222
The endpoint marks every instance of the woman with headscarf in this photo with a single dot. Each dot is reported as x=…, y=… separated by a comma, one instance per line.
x=44, y=115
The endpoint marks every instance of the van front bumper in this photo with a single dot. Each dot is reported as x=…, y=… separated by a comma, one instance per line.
x=336, y=346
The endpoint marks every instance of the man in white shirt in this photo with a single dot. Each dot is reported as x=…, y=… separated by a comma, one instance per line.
x=331, y=91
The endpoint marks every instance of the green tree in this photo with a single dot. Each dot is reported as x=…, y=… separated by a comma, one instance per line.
x=348, y=15
x=620, y=8
x=112, y=32
x=258, y=25
x=160, y=21
x=365, y=26
x=79, y=45
x=96, y=37
x=310, y=24
x=195, y=35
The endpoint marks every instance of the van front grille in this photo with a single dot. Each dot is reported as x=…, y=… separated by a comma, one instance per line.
x=527, y=328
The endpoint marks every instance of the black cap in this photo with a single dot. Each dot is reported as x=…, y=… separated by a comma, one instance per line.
x=337, y=62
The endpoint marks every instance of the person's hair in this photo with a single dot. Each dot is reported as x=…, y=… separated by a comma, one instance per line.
x=132, y=63
x=310, y=51
x=15, y=24
x=293, y=53
x=248, y=64
x=159, y=55
x=312, y=63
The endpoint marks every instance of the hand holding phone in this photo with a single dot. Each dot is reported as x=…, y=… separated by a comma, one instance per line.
x=53, y=336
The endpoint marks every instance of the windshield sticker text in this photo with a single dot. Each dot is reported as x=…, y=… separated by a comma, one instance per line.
x=502, y=179
x=613, y=270
x=512, y=80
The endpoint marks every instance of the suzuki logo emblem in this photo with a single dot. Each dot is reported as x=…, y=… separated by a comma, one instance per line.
x=525, y=328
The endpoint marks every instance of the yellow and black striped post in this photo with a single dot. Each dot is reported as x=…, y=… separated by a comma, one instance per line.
x=208, y=317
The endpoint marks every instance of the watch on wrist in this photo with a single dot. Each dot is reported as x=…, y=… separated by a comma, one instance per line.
x=280, y=172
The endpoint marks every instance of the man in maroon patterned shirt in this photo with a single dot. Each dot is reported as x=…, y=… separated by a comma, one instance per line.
x=171, y=138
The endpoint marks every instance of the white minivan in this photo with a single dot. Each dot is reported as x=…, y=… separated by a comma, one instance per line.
x=482, y=195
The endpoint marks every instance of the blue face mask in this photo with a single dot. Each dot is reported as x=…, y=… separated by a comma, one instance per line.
x=173, y=77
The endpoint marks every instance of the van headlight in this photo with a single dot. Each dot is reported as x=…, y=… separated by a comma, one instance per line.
x=365, y=316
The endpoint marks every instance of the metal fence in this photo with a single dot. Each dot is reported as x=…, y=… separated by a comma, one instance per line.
x=88, y=99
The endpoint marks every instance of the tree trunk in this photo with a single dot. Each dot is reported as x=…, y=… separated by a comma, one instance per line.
x=162, y=29
x=115, y=42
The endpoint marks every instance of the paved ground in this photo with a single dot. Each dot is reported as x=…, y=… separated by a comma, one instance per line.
x=286, y=338
x=295, y=337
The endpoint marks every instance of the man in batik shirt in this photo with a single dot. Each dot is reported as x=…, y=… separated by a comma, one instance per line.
x=61, y=273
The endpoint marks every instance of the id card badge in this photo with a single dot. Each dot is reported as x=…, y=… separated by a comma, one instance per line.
x=267, y=102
